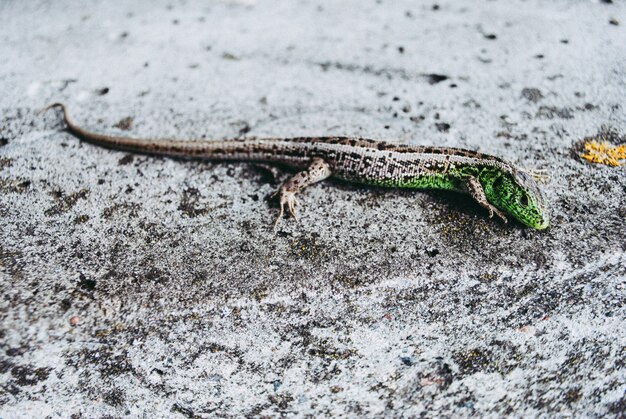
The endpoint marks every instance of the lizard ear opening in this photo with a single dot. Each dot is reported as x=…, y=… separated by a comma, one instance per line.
x=497, y=184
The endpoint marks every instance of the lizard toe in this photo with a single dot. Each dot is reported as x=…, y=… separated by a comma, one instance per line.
x=280, y=216
x=501, y=216
x=293, y=202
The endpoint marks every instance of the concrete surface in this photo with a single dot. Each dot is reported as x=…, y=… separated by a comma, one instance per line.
x=149, y=287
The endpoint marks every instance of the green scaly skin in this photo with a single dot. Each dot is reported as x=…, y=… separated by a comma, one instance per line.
x=519, y=197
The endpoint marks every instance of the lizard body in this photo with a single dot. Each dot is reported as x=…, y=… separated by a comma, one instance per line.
x=495, y=184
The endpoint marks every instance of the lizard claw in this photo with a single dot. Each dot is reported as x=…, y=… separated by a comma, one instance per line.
x=280, y=217
x=293, y=203
x=288, y=199
x=500, y=214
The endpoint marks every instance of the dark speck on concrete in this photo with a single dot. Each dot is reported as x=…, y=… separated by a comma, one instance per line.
x=127, y=159
x=124, y=124
x=229, y=56
x=432, y=252
x=65, y=202
x=407, y=360
x=81, y=219
x=551, y=112
x=436, y=78
x=532, y=94
x=85, y=283
x=190, y=203
x=27, y=375
x=185, y=411
x=442, y=126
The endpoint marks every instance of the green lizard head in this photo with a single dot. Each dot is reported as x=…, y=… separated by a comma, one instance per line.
x=518, y=194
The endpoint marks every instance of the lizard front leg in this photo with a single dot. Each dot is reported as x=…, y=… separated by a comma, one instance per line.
x=475, y=189
x=316, y=172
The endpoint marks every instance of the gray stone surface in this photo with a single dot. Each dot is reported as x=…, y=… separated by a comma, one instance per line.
x=151, y=287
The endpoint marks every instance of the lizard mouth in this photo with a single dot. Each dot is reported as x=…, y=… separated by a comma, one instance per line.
x=543, y=224
x=541, y=221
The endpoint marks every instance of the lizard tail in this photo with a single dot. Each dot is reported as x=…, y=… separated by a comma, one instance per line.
x=73, y=128
x=55, y=105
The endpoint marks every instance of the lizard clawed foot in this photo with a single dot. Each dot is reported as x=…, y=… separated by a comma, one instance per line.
x=287, y=198
x=493, y=210
x=317, y=171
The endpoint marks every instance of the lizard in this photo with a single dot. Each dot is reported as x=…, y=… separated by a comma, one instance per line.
x=494, y=183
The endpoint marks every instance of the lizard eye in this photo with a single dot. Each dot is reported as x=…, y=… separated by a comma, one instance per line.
x=523, y=200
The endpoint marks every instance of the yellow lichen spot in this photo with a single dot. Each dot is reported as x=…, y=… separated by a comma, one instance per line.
x=604, y=153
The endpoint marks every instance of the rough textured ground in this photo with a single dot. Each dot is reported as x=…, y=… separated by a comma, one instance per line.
x=142, y=286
